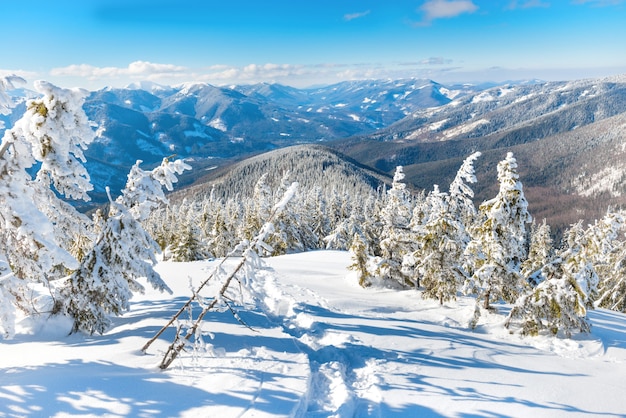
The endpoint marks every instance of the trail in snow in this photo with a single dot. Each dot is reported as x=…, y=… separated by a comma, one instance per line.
x=343, y=381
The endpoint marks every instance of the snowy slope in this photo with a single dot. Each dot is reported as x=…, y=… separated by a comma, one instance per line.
x=321, y=346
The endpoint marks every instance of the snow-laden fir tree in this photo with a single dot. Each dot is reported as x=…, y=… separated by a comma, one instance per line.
x=287, y=225
x=576, y=261
x=221, y=236
x=314, y=203
x=439, y=251
x=498, y=245
x=440, y=225
x=567, y=283
x=419, y=218
x=461, y=195
x=360, y=261
x=604, y=248
x=372, y=224
x=123, y=253
x=612, y=286
x=187, y=241
x=257, y=213
x=396, y=217
x=345, y=231
x=540, y=252
x=556, y=306
x=144, y=189
x=34, y=224
x=187, y=245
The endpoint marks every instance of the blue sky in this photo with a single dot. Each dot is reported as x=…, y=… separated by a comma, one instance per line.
x=100, y=43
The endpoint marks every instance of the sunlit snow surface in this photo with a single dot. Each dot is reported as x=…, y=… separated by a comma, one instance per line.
x=320, y=347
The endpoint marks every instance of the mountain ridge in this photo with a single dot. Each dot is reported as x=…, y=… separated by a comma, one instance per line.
x=427, y=127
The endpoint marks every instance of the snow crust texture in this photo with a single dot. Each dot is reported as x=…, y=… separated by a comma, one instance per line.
x=320, y=346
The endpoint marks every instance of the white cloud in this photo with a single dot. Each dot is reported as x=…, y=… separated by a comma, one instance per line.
x=440, y=9
x=138, y=69
x=436, y=61
x=250, y=73
x=351, y=16
x=434, y=68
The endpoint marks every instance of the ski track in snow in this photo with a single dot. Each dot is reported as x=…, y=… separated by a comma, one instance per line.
x=343, y=384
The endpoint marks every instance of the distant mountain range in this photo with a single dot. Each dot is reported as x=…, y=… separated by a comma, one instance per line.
x=201, y=121
x=569, y=137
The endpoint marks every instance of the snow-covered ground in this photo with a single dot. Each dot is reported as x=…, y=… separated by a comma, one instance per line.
x=321, y=346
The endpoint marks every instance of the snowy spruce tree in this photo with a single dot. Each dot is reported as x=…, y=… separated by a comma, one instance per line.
x=439, y=225
x=567, y=283
x=35, y=225
x=540, y=253
x=497, y=249
x=612, y=286
x=610, y=263
x=287, y=224
x=187, y=245
x=396, y=217
x=439, y=250
x=555, y=307
x=577, y=258
x=123, y=252
x=360, y=261
x=460, y=198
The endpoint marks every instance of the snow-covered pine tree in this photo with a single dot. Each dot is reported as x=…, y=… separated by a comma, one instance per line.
x=576, y=262
x=360, y=260
x=123, y=252
x=53, y=132
x=439, y=228
x=555, y=306
x=109, y=273
x=419, y=218
x=286, y=236
x=144, y=189
x=540, y=252
x=439, y=251
x=187, y=245
x=314, y=204
x=372, y=225
x=612, y=287
x=396, y=217
x=221, y=236
x=343, y=234
x=461, y=195
x=497, y=249
x=257, y=213
x=340, y=238
x=604, y=246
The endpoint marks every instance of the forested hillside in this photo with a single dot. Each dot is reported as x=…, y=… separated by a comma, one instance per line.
x=568, y=137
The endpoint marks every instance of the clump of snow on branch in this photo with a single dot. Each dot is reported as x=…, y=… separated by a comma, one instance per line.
x=144, y=189
x=57, y=130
